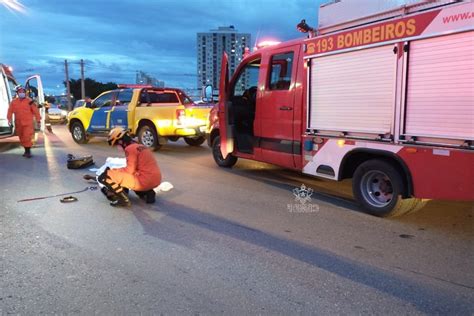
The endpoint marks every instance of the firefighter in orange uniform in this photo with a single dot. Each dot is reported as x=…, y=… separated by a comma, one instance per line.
x=25, y=111
x=141, y=173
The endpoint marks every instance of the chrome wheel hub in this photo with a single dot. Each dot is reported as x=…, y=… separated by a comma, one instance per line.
x=77, y=132
x=377, y=188
x=147, y=139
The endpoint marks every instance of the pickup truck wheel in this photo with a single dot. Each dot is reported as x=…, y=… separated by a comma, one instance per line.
x=378, y=187
x=228, y=162
x=78, y=133
x=195, y=141
x=148, y=137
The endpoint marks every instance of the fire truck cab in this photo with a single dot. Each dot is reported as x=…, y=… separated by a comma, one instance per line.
x=386, y=99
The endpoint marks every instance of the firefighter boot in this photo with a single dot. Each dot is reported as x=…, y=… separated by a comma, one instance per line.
x=150, y=196
x=147, y=196
x=140, y=194
x=27, y=153
x=119, y=198
x=109, y=194
x=122, y=200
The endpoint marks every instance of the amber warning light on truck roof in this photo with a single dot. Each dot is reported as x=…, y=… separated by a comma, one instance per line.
x=7, y=69
x=267, y=43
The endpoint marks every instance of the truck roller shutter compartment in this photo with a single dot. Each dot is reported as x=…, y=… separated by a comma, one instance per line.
x=353, y=91
x=440, y=87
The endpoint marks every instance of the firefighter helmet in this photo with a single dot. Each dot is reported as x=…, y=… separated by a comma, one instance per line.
x=116, y=134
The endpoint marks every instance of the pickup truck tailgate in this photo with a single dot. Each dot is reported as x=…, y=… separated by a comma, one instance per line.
x=200, y=113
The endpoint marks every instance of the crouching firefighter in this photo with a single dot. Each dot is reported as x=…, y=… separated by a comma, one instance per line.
x=141, y=173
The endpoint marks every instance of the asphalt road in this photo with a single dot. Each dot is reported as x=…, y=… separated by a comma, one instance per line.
x=221, y=242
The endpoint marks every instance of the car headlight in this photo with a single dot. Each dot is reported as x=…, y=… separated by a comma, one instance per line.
x=63, y=113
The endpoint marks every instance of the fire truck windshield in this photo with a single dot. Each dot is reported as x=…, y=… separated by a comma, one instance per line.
x=11, y=85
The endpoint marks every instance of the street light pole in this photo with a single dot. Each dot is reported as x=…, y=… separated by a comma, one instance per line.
x=68, y=87
x=83, y=87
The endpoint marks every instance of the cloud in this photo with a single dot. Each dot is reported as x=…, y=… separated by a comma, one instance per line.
x=117, y=38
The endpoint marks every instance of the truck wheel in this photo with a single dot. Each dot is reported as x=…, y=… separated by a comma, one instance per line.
x=194, y=141
x=78, y=133
x=217, y=155
x=378, y=187
x=148, y=137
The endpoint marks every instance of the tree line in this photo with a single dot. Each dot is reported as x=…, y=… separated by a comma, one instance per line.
x=93, y=88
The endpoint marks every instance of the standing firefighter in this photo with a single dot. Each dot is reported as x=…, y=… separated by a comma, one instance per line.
x=141, y=173
x=25, y=111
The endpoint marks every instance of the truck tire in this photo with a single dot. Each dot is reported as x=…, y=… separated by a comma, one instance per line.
x=195, y=141
x=78, y=133
x=228, y=162
x=148, y=137
x=378, y=188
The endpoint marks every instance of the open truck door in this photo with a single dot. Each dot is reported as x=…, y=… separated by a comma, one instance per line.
x=225, y=129
x=34, y=88
x=276, y=108
x=6, y=86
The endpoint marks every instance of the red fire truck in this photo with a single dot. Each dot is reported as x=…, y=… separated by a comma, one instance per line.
x=8, y=82
x=387, y=100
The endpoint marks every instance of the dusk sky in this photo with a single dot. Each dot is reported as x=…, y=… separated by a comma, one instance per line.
x=118, y=37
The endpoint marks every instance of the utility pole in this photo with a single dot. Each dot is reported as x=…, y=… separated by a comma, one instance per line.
x=68, y=87
x=83, y=87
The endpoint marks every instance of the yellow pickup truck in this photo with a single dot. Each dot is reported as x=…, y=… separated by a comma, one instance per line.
x=154, y=115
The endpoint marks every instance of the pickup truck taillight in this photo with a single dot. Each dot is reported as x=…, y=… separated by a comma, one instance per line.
x=180, y=116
